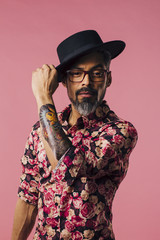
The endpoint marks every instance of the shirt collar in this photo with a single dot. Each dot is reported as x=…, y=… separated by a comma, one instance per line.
x=100, y=113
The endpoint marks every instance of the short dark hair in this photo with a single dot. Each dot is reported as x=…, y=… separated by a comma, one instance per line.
x=106, y=56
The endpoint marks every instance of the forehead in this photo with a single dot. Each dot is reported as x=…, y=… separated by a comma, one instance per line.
x=91, y=59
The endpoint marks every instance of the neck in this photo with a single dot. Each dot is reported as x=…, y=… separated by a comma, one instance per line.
x=74, y=115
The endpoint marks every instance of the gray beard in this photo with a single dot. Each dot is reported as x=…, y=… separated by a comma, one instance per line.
x=86, y=107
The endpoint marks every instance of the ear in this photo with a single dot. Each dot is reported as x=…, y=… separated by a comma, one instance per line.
x=64, y=83
x=64, y=80
x=109, y=78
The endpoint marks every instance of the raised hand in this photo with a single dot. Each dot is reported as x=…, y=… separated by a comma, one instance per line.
x=44, y=83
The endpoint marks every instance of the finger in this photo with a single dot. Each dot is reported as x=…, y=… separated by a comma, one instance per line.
x=45, y=66
x=52, y=66
x=37, y=69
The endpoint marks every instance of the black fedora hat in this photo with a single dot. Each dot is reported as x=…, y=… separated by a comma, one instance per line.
x=84, y=42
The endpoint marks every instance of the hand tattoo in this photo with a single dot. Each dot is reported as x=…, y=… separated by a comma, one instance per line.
x=52, y=130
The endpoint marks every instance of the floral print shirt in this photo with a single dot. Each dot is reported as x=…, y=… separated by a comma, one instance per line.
x=75, y=199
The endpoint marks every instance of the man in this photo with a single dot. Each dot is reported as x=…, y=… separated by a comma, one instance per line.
x=74, y=162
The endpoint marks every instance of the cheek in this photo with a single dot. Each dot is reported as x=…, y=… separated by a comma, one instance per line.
x=71, y=91
x=101, y=91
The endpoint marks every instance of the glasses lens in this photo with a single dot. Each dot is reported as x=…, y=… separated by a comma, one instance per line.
x=76, y=75
x=98, y=75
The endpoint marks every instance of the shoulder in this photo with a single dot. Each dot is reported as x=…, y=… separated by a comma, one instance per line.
x=126, y=131
x=122, y=126
x=112, y=121
x=119, y=131
x=126, y=128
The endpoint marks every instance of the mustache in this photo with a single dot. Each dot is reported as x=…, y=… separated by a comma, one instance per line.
x=85, y=89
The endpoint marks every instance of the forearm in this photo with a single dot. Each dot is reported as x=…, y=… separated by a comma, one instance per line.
x=44, y=84
x=24, y=219
x=52, y=130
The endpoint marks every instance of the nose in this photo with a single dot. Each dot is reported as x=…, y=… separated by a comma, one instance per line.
x=86, y=80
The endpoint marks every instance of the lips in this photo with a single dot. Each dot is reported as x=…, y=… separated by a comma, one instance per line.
x=86, y=94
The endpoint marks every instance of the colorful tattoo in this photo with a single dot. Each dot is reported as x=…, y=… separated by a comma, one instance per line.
x=52, y=130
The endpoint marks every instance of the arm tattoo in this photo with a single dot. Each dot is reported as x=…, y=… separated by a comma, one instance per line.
x=52, y=130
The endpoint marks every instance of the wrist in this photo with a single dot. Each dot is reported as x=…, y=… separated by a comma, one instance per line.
x=43, y=100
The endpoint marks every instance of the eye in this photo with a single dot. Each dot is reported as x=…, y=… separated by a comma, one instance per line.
x=76, y=73
x=97, y=73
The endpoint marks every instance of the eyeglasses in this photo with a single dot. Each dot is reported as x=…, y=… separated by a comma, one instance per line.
x=77, y=75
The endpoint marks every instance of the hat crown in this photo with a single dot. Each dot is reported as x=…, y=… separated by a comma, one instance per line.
x=78, y=42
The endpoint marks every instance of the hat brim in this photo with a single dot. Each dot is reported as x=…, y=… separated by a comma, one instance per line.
x=113, y=47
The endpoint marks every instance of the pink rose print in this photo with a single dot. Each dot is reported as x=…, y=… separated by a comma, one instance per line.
x=25, y=185
x=69, y=226
x=101, y=189
x=48, y=198
x=77, y=160
x=77, y=236
x=77, y=202
x=90, y=157
x=91, y=187
x=78, y=221
x=75, y=194
x=108, y=151
x=52, y=222
x=31, y=161
x=119, y=140
x=86, y=142
x=46, y=210
x=132, y=131
x=65, y=211
x=33, y=184
x=90, y=224
x=54, y=210
x=87, y=210
x=36, y=169
x=68, y=161
x=59, y=188
x=110, y=131
x=77, y=138
x=59, y=175
x=65, y=199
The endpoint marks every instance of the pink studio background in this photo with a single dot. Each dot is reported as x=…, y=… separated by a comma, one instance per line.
x=29, y=34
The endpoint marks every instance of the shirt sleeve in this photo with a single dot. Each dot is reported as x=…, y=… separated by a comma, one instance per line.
x=100, y=153
x=29, y=180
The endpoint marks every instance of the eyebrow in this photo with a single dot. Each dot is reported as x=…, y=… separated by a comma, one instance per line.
x=96, y=66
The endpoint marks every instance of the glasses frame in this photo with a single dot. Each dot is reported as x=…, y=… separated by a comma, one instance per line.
x=85, y=73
